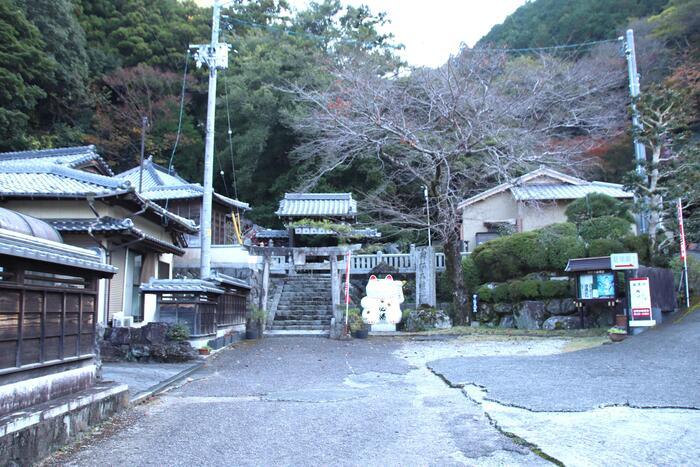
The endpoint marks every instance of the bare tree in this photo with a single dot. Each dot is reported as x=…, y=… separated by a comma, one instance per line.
x=671, y=163
x=479, y=120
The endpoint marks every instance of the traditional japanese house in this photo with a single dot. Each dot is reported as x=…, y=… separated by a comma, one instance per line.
x=74, y=190
x=48, y=313
x=177, y=195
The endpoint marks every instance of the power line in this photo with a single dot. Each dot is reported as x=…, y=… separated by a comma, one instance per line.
x=179, y=119
x=230, y=141
x=291, y=32
x=552, y=47
x=182, y=108
x=320, y=37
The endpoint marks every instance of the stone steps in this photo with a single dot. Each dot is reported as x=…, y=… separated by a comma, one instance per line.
x=304, y=305
x=300, y=327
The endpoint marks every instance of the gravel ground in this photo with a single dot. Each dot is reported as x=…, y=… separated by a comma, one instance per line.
x=311, y=401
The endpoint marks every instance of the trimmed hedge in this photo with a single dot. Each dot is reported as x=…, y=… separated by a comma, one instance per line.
x=546, y=249
x=597, y=205
x=528, y=289
x=604, y=227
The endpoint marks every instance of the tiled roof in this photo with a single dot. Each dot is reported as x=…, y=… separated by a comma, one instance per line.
x=215, y=284
x=43, y=179
x=73, y=157
x=588, y=264
x=523, y=188
x=159, y=184
x=110, y=224
x=317, y=205
x=565, y=191
x=188, y=190
x=224, y=279
x=23, y=246
x=103, y=224
x=180, y=286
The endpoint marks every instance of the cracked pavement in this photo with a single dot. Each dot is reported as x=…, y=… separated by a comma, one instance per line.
x=621, y=404
x=397, y=401
x=308, y=401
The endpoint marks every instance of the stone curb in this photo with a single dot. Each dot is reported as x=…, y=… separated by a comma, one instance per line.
x=163, y=385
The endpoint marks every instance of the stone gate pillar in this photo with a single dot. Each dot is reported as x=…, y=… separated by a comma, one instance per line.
x=424, y=259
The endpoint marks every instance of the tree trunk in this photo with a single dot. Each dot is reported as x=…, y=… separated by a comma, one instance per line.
x=453, y=268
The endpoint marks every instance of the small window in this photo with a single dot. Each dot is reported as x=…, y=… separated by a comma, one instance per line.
x=163, y=270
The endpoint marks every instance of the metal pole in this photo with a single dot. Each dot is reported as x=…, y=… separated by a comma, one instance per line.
x=205, y=217
x=639, y=150
x=144, y=123
x=427, y=210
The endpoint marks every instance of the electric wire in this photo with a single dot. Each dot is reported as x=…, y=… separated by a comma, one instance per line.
x=179, y=119
x=479, y=50
x=182, y=109
x=230, y=140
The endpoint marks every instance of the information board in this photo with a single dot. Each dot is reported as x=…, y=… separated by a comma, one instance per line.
x=640, y=302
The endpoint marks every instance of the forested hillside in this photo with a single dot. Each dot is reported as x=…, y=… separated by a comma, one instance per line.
x=87, y=71
x=542, y=23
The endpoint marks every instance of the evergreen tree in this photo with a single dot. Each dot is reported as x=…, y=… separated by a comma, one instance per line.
x=67, y=95
x=25, y=72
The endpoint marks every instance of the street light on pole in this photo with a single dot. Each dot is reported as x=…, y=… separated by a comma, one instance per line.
x=427, y=210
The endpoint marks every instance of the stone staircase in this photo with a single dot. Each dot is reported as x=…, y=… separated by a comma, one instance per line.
x=305, y=306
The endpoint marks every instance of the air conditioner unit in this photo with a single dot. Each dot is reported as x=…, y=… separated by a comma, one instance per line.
x=122, y=321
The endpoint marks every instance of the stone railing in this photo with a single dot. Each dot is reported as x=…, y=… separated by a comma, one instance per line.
x=362, y=264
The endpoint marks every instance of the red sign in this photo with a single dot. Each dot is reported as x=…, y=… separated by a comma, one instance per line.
x=681, y=230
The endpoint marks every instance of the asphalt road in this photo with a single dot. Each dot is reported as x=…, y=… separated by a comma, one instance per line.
x=658, y=368
x=305, y=401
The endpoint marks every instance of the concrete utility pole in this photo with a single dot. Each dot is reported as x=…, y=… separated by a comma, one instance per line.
x=639, y=150
x=214, y=55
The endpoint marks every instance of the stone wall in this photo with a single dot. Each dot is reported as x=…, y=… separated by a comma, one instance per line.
x=29, y=436
x=551, y=314
x=146, y=343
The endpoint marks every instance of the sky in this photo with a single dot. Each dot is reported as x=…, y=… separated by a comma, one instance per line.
x=432, y=30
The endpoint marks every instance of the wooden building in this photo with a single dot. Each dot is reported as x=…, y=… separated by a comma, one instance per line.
x=74, y=190
x=48, y=315
x=177, y=195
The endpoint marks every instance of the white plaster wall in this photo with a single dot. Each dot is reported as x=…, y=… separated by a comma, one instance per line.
x=221, y=256
x=497, y=207
x=536, y=215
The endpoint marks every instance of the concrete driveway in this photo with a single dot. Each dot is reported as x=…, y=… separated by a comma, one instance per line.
x=391, y=401
x=632, y=403
x=309, y=401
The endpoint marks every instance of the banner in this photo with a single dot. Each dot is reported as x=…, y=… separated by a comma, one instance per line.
x=681, y=230
x=347, y=279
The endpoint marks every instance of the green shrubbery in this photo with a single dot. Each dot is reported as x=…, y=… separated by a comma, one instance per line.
x=598, y=226
x=547, y=249
x=604, y=247
x=597, y=205
x=604, y=227
x=527, y=289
